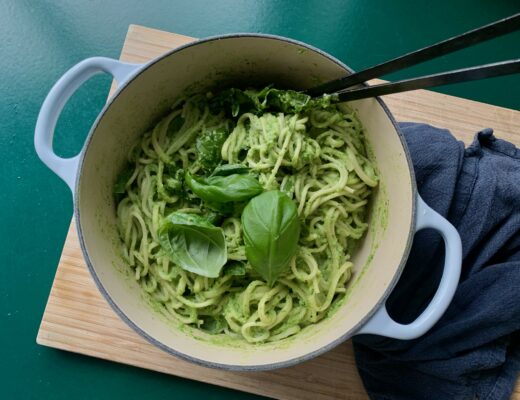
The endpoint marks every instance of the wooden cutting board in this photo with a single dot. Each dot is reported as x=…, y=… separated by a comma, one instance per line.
x=78, y=319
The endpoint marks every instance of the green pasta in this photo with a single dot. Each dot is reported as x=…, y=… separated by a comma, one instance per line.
x=314, y=152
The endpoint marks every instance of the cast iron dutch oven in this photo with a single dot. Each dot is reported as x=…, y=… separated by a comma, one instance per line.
x=144, y=94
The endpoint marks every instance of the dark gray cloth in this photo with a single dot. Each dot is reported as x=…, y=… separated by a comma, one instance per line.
x=473, y=352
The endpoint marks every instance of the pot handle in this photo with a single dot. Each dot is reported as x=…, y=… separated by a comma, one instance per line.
x=60, y=93
x=382, y=324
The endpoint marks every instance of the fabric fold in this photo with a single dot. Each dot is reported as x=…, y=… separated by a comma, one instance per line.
x=473, y=351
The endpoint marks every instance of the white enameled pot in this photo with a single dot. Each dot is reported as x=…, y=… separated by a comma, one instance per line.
x=144, y=94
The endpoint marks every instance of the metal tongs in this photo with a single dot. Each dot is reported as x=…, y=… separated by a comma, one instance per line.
x=343, y=86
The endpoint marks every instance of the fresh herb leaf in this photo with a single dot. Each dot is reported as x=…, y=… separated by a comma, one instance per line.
x=224, y=189
x=193, y=243
x=233, y=100
x=237, y=101
x=209, y=146
x=287, y=101
x=294, y=102
x=230, y=169
x=221, y=208
x=122, y=179
x=271, y=231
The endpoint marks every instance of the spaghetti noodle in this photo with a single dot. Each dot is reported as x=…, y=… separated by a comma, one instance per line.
x=317, y=156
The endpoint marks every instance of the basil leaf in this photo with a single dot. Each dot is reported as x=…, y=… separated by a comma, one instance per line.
x=193, y=243
x=232, y=100
x=237, y=101
x=224, y=189
x=221, y=208
x=287, y=101
x=224, y=210
x=271, y=231
x=209, y=146
x=230, y=169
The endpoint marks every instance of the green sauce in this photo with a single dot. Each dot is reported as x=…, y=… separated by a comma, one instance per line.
x=311, y=149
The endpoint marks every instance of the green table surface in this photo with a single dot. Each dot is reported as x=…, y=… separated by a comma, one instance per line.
x=40, y=40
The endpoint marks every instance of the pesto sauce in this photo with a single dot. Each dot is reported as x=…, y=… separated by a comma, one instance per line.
x=378, y=222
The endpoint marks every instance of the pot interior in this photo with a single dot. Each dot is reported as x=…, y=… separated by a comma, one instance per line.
x=243, y=60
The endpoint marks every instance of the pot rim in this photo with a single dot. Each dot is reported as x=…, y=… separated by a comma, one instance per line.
x=263, y=367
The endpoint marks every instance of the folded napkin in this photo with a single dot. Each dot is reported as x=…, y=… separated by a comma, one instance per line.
x=473, y=352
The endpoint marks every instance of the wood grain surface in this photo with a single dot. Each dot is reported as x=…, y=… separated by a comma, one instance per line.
x=78, y=319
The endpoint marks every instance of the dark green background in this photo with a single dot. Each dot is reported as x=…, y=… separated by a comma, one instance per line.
x=40, y=40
